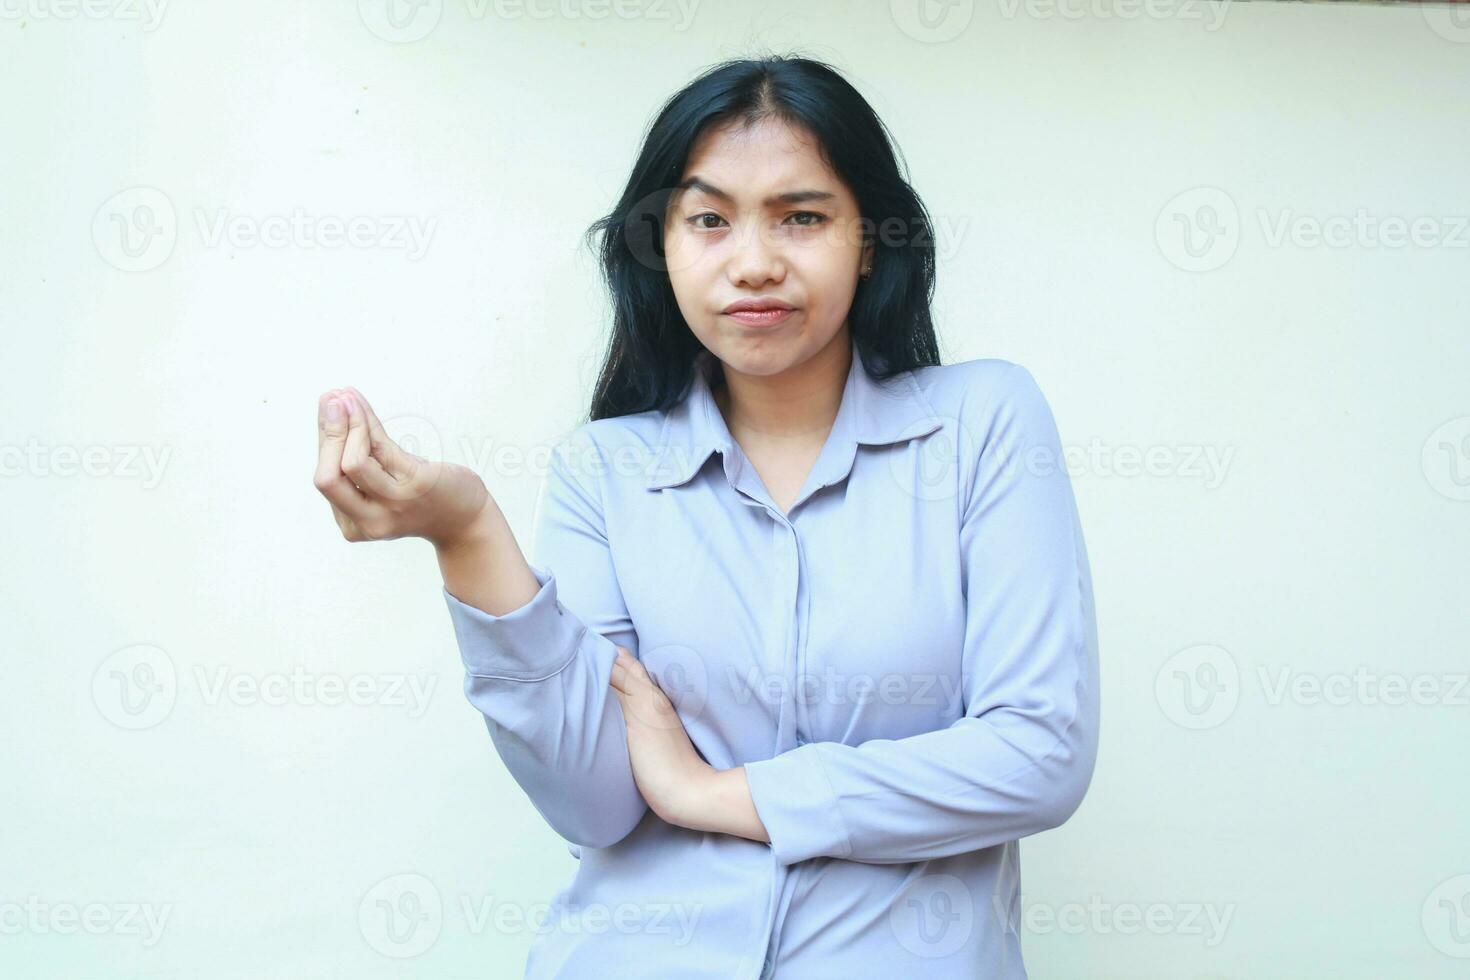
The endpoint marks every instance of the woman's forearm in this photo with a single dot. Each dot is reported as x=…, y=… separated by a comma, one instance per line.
x=484, y=566
x=722, y=804
x=539, y=675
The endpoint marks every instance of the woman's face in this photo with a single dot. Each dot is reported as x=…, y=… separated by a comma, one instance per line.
x=761, y=216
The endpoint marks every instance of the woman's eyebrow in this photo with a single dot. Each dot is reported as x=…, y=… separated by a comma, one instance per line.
x=789, y=197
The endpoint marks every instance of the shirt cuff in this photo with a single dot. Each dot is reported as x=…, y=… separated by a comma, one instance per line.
x=529, y=643
x=796, y=802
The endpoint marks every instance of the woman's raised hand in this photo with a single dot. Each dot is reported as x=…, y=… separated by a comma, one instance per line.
x=379, y=491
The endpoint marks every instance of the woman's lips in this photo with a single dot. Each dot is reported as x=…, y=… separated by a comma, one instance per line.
x=759, y=318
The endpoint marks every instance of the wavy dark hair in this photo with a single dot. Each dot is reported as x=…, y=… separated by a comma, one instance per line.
x=649, y=361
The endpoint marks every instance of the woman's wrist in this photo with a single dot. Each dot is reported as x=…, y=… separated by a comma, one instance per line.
x=477, y=533
x=720, y=803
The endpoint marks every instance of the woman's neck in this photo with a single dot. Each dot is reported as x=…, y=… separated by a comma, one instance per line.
x=796, y=406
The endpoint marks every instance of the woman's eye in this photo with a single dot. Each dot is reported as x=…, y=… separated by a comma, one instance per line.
x=812, y=219
x=695, y=219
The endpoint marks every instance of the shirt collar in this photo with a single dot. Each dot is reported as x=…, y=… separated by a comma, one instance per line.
x=872, y=413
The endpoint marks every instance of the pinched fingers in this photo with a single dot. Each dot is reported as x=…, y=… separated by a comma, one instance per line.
x=331, y=439
x=399, y=464
x=358, y=462
x=353, y=510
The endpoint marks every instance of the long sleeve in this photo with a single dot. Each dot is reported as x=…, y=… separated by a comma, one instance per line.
x=539, y=673
x=1020, y=759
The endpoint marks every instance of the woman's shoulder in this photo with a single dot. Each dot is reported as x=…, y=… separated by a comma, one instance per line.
x=997, y=411
x=622, y=445
x=975, y=390
x=640, y=428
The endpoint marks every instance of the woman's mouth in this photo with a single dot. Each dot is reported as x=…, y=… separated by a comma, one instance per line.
x=760, y=318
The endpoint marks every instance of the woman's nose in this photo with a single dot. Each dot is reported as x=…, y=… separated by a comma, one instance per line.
x=756, y=259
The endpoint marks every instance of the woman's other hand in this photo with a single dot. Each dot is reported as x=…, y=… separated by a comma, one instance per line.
x=666, y=766
x=675, y=780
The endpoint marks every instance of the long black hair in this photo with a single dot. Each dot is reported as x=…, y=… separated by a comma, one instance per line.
x=650, y=356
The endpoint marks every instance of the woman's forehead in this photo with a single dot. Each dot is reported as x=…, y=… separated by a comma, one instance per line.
x=758, y=165
x=772, y=142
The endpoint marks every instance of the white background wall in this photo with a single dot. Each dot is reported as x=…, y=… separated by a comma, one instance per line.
x=1234, y=829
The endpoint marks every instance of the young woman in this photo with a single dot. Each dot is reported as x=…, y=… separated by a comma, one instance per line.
x=809, y=643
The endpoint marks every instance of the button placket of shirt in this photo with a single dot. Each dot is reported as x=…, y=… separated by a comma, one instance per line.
x=735, y=467
x=787, y=544
x=788, y=590
x=785, y=593
x=792, y=721
x=800, y=722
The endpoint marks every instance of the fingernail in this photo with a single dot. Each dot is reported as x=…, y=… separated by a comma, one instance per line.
x=351, y=403
x=334, y=410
